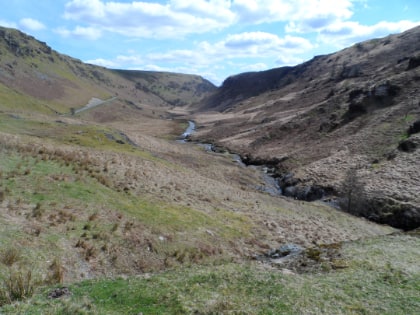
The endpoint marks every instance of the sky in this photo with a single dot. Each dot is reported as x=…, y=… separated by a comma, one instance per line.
x=211, y=38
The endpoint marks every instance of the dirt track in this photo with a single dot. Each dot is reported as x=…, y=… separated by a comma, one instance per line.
x=94, y=102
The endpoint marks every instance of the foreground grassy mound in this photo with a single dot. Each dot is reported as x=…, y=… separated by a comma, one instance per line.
x=377, y=276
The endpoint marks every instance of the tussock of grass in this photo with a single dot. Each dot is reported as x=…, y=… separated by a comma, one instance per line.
x=9, y=256
x=17, y=286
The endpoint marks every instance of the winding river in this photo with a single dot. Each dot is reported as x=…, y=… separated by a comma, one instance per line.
x=269, y=185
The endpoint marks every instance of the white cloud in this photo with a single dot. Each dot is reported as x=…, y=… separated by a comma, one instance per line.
x=31, y=24
x=8, y=24
x=343, y=34
x=180, y=18
x=259, y=44
x=315, y=15
x=249, y=51
x=288, y=60
x=131, y=59
x=301, y=15
x=83, y=9
x=213, y=9
x=262, y=11
x=250, y=39
x=330, y=20
x=173, y=55
x=103, y=63
x=176, y=18
x=89, y=33
x=256, y=45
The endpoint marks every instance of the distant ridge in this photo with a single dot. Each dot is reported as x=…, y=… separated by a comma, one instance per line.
x=39, y=73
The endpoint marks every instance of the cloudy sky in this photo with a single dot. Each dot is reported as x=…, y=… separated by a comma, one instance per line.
x=212, y=38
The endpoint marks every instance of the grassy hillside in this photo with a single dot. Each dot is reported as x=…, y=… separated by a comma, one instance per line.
x=352, y=109
x=34, y=72
x=106, y=204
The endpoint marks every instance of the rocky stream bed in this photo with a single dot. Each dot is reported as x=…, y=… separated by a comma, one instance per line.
x=275, y=183
x=280, y=182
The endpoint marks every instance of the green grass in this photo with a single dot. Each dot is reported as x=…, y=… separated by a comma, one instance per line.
x=39, y=181
x=374, y=283
x=409, y=118
x=52, y=197
x=33, y=180
x=13, y=101
x=168, y=217
x=86, y=135
x=406, y=120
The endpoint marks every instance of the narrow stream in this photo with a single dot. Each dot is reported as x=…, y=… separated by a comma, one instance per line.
x=269, y=185
x=188, y=131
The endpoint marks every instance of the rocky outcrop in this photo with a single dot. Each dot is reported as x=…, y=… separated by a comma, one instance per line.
x=294, y=188
x=307, y=193
x=413, y=62
x=408, y=145
x=23, y=45
x=270, y=162
x=242, y=86
x=414, y=128
x=378, y=96
x=284, y=250
x=399, y=214
x=413, y=141
x=347, y=72
x=59, y=292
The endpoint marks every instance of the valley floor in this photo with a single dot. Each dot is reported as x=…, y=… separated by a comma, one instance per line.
x=130, y=221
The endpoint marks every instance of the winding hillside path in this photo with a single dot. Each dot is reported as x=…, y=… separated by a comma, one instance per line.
x=94, y=102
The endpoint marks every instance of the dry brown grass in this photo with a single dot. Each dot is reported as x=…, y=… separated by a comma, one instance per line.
x=56, y=272
x=10, y=256
x=18, y=286
x=180, y=205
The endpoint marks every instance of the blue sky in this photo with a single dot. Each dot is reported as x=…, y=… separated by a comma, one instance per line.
x=212, y=38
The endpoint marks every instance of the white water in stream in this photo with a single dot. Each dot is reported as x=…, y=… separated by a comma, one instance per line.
x=189, y=130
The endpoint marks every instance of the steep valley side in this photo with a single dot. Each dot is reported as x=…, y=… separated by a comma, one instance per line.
x=353, y=109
